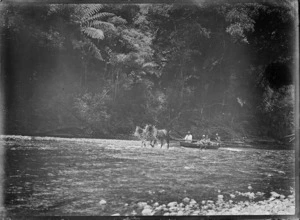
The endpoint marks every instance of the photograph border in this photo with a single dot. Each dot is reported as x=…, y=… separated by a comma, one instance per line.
x=184, y=2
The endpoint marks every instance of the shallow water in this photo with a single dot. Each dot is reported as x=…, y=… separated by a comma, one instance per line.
x=67, y=177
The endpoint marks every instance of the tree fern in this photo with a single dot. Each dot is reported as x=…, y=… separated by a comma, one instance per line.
x=94, y=21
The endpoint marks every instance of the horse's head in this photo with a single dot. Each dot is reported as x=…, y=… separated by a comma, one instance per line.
x=151, y=128
x=138, y=131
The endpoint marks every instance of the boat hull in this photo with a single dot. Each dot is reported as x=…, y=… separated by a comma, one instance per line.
x=213, y=146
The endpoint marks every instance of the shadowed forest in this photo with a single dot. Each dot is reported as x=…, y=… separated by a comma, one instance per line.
x=100, y=70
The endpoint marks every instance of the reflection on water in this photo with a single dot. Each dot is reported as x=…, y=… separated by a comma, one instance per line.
x=61, y=177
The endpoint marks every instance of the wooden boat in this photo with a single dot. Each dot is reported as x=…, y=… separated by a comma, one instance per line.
x=195, y=144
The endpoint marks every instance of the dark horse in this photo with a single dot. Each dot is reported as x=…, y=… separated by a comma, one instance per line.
x=162, y=135
x=152, y=134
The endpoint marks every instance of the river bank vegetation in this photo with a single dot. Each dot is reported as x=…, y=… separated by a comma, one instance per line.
x=100, y=70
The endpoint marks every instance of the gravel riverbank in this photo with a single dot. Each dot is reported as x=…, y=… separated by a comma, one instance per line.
x=276, y=205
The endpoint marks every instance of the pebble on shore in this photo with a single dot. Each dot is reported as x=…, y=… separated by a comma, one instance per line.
x=102, y=202
x=276, y=205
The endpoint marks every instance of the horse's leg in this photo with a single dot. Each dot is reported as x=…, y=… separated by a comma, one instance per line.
x=168, y=141
x=144, y=143
x=154, y=142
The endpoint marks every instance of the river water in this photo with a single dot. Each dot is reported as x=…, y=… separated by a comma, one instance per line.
x=70, y=177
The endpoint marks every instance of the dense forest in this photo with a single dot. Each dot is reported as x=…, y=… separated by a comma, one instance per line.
x=98, y=70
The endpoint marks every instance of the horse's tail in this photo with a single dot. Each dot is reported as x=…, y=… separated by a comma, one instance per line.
x=167, y=136
x=168, y=132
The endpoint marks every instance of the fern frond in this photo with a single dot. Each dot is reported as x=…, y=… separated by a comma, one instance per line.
x=103, y=25
x=98, y=16
x=90, y=10
x=94, y=50
x=53, y=9
x=117, y=20
x=93, y=33
x=97, y=54
x=150, y=64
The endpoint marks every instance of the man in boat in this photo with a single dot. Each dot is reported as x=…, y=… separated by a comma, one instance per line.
x=188, y=137
x=216, y=138
x=202, y=140
x=207, y=140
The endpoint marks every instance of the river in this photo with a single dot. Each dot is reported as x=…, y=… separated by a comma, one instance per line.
x=70, y=176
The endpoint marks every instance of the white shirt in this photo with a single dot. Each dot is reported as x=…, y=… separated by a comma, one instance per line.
x=188, y=137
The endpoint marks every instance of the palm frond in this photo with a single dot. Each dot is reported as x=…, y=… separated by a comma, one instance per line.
x=93, y=33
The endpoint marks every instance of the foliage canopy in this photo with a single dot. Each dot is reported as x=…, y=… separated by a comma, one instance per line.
x=210, y=67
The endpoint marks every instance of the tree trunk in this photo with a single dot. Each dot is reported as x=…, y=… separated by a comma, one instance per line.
x=182, y=80
x=84, y=75
x=116, y=84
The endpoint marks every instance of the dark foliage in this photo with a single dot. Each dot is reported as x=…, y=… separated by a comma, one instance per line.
x=103, y=69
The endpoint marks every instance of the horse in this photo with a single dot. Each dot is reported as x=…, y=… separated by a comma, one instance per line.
x=153, y=134
x=140, y=133
x=146, y=134
x=162, y=135
x=150, y=133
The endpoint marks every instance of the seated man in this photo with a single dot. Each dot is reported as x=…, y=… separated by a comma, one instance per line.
x=202, y=141
x=188, y=137
x=218, y=139
x=207, y=139
x=215, y=137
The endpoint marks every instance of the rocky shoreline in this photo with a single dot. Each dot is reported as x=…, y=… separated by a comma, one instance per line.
x=276, y=205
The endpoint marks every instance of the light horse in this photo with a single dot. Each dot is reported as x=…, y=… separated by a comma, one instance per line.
x=143, y=135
